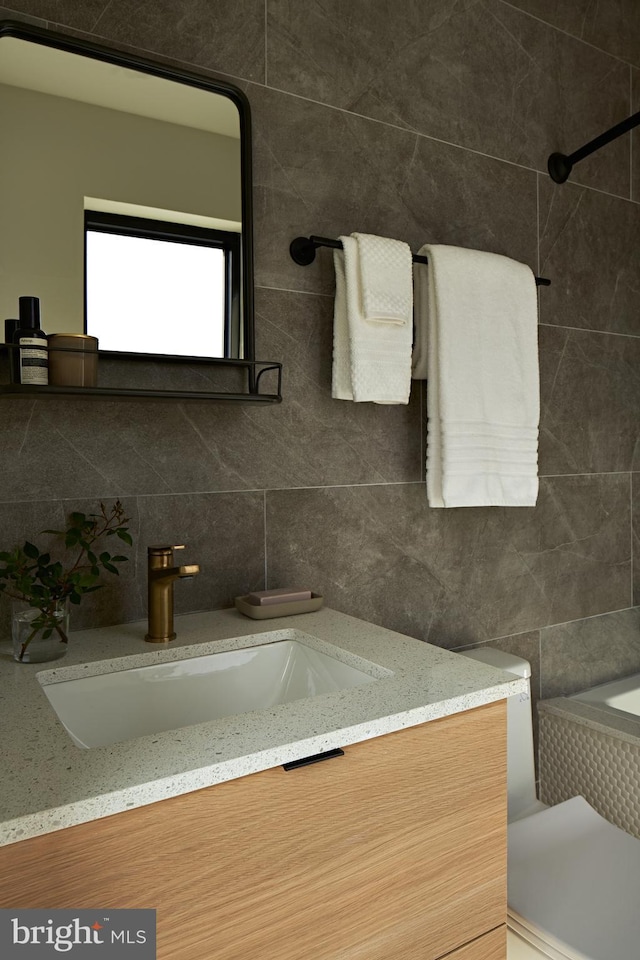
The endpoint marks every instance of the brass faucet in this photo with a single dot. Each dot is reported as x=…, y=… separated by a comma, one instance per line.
x=161, y=575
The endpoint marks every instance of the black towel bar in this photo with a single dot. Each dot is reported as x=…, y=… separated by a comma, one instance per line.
x=303, y=252
x=560, y=165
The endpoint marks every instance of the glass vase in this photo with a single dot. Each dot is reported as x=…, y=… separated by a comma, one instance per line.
x=34, y=643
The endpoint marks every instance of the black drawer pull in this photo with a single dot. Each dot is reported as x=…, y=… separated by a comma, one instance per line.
x=316, y=758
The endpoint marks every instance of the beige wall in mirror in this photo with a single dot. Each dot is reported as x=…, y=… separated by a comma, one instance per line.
x=61, y=155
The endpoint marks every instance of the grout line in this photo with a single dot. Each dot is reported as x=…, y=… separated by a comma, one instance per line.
x=540, y=673
x=423, y=428
x=308, y=293
x=547, y=626
x=606, y=333
x=538, y=233
x=552, y=26
x=266, y=490
x=601, y=473
x=264, y=524
x=631, y=134
x=265, y=42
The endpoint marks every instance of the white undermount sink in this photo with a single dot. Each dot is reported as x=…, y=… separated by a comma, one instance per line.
x=112, y=707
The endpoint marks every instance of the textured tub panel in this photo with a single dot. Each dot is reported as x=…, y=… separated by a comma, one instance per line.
x=576, y=760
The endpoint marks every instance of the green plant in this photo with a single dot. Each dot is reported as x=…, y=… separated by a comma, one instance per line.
x=33, y=577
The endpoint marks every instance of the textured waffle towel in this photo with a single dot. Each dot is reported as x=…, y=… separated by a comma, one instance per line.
x=483, y=403
x=372, y=328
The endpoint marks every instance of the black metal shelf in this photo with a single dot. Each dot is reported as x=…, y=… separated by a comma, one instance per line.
x=254, y=369
x=16, y=390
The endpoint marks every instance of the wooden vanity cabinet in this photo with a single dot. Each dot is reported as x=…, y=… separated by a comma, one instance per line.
x=395, y=851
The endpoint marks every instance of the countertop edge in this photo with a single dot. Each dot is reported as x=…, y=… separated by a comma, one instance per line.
x=130, y=798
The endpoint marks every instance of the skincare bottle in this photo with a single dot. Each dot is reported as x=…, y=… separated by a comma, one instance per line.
x=32, y=341
x=10, y=327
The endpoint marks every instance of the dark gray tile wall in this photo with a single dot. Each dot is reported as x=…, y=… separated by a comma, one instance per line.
x=613, y=26
x=635, y=136
x=432, y=123
x=576, y=656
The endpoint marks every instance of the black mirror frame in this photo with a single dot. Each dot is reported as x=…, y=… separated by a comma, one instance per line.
x=95, y=51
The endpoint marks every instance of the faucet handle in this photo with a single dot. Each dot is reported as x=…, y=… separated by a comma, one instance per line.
x=162, y=551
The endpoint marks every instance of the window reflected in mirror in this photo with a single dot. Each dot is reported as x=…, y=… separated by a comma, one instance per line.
x=168, y=284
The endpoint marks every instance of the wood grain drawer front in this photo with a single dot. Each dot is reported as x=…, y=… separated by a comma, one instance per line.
x=396, y=850
x=492, y=946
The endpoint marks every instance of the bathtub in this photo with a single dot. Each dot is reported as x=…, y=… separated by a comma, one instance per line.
x=589, y=746
x=620, y=697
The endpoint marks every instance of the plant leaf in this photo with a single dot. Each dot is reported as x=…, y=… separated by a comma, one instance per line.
x=31, y=550
x=122, y=533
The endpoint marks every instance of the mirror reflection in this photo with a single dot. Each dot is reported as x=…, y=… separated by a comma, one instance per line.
x=121, y=194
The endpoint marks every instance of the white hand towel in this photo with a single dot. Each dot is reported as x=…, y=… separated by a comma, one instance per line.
x=385, y=276
x=372, y=350
x=483, y=403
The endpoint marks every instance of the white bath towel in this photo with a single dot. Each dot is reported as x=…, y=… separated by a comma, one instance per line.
x=372, y=330
x=483, y=403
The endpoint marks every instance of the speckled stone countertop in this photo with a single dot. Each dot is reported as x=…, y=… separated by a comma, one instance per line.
x=49, y=783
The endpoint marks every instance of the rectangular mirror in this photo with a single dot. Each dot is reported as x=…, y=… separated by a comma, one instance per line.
x=125, y=190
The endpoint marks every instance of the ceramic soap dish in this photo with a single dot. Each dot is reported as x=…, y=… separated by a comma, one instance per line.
x=286, y=609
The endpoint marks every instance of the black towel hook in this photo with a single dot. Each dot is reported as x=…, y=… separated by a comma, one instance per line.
x=560, y=165
x=303, y=252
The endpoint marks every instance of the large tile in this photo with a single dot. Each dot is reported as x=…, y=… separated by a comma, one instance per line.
x=82, y=16
x=223, y=533
x=58, y=448
x=613, y=26
x=24, y=16
x=223, y=35
x=589, y=246
x=436, y=68
x=325, y=172
x=311, y=439
x=42, y=456
x=576, y=656
x=456, y=577
x=590, y=401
